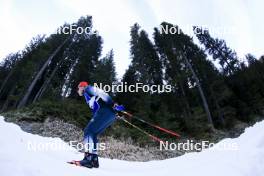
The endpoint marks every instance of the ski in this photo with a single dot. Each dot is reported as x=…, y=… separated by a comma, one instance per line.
x=74, y=162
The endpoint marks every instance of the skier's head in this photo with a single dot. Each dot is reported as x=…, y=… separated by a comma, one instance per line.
x=82, y=85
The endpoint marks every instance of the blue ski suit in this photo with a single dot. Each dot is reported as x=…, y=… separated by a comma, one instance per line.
x=103, y=116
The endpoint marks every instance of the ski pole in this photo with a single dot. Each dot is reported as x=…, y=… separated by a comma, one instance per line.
x=152, y=125
x=141, y=130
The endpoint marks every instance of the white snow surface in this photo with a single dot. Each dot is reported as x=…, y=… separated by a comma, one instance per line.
x=16, y=159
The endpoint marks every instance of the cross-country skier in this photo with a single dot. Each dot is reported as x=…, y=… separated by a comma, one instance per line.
x=104, y=114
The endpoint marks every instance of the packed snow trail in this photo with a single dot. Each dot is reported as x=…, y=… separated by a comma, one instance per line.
x=17, y=160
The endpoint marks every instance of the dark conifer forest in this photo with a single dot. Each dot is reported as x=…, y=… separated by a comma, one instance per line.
x=212, y=88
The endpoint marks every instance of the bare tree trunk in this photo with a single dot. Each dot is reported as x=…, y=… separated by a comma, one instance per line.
x=17, y=101
x=5, y=105
x=46, y=83
x=5, y=81
x=205, y=104
x=187, y=105
x=68, y=78
x=219, y=111
x=38, y=76
x=65, y=91
x=187, y=108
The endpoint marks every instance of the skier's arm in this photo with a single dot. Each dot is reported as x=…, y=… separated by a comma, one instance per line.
x=108, y=100
x=96, y=93
x=103, y=95
x=90, y=101
x=87, y=98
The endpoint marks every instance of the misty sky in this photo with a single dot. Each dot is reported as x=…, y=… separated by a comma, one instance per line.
x=22, y=20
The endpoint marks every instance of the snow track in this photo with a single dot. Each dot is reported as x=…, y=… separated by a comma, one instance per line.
x=16, y=158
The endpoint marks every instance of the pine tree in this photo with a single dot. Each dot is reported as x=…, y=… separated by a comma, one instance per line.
x=145, y=68
x=105, y=70
x=226, y=57
x=144, y=57
x=179, y=52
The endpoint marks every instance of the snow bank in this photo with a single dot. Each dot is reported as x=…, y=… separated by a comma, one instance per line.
x=16, y=159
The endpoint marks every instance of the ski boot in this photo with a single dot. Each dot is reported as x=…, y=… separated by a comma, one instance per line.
x=95, y=161
x=89, y=161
